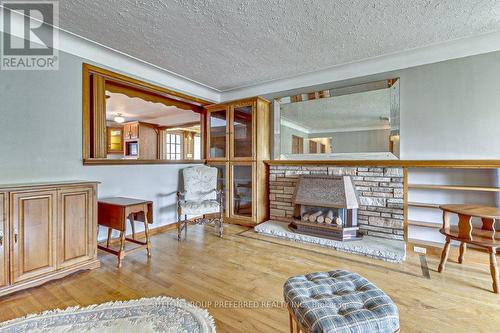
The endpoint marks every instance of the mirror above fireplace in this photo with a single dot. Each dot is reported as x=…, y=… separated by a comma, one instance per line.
x=354, y=122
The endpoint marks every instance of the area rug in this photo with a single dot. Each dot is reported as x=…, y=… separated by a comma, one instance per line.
x=159, y=314
x=374, y=247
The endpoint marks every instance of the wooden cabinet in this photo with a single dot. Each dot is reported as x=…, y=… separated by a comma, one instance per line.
x=3, y=241
x=131, y=130
x=141, y=140
x=52, y=232
x=238, y=141
x=114, y=140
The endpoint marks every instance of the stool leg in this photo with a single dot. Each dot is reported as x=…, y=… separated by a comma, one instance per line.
x=494, y=270
x=444, y=255
x=463, y=248
x=121, y=254
x=185, y=225
x=110, y=231
x=297, y=327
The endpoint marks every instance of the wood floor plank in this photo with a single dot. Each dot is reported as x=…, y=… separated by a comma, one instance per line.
x=239, y=279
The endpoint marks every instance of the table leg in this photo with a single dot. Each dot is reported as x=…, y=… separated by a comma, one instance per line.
x=121, y=254
x=132, y=224
x=494, y=270
x=463, y=248
x=146, y=231
x=444, y=255
x=110, y=231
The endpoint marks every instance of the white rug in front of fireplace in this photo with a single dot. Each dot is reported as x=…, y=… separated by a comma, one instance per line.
x=374, y=247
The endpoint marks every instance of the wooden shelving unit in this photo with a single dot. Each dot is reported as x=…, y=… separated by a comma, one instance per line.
x=420, y=224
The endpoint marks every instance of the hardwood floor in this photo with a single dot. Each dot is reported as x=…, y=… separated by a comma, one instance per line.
x=240, y=278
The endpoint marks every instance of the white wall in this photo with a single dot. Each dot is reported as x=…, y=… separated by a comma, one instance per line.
x=41, y=139
x=451, y=110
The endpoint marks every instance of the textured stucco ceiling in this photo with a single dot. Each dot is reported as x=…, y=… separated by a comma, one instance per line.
x=227, y=44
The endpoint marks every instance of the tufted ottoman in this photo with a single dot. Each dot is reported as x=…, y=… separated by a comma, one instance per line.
x=339, y=301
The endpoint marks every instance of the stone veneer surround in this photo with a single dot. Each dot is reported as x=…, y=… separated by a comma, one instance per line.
x=380, y=189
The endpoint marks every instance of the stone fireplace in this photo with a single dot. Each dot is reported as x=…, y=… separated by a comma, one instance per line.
x=326, y=206
x=380, y=195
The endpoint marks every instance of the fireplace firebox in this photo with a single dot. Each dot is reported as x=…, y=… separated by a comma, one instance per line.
x=326, y=206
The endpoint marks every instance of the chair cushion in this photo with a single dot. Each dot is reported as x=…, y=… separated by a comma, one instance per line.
x=340, y=301
x=199, y=207
x=200, y=183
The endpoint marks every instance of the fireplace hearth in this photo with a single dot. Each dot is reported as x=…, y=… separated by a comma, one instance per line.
x=326, y=206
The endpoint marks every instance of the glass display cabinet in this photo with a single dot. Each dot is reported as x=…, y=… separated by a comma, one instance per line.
x=238, y=142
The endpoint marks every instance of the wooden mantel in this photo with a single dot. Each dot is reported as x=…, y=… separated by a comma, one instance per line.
x=459, y=164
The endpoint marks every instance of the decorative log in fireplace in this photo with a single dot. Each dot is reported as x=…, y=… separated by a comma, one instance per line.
x=326, y=206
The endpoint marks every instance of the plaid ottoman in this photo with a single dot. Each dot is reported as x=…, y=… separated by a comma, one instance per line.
x=341, y=302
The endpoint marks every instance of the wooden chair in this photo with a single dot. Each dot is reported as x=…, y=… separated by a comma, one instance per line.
x=485, y=237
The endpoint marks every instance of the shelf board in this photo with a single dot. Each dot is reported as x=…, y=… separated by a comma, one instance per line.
x=454, y=187
x=423, y=205
x=426, y=224
x=417, y=241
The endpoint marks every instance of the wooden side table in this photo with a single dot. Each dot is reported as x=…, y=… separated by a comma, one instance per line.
x=484, y=237
x=113, y=214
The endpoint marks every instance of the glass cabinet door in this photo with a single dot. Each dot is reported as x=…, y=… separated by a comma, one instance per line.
x=242, y=131
x=222, y=183
x=115, y=140
x=217, y=131
x=242, y=190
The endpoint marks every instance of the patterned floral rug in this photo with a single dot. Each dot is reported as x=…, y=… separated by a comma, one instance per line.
x=160, y=314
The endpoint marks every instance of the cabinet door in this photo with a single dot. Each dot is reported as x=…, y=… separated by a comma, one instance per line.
x=242, y=190
x=131, y=130
x=3, y=240
x=134, y=131
x=242, y=133
x=75, y=234
x=217, y=134
x=223, y=183
x=33, y=231
x=115, y=140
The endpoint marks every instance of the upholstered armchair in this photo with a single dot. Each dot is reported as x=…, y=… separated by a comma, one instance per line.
x=200, y=199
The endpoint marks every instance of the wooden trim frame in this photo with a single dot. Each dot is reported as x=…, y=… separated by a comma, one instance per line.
x=94, y=142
